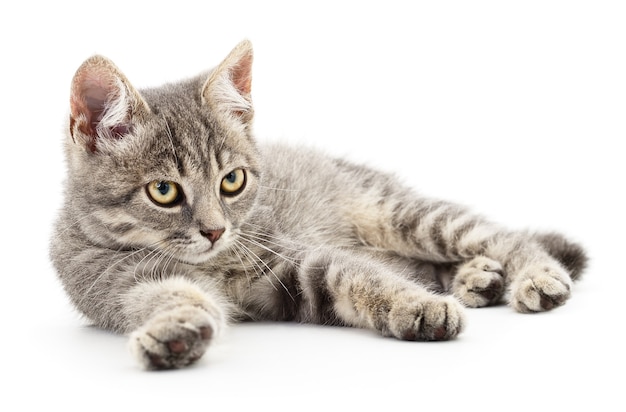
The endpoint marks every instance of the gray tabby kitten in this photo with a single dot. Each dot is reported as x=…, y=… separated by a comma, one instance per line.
x=176, y=222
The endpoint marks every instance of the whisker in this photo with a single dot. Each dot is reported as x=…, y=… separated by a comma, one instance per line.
x=77, y=221
x=263, y=232
x=104, y=272
x=162, y=261
x=147, y=258
x=268, y=268
x=260, y=235
x=262, y=246
x=237, y=252
x=279, y=189
x=128, y=255
x=171, y=257
x=263, y=238
x=258, y=270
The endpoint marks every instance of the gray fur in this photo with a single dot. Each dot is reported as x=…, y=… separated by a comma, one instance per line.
x=309, y=239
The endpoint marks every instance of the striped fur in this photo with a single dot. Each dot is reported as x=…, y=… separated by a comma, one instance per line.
x=308, y=238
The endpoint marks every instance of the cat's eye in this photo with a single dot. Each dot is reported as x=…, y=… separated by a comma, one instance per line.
x=164, y=193
x=233, y=183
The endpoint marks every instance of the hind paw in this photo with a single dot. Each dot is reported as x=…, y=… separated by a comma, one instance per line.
x=540, y=289
x=479, y=282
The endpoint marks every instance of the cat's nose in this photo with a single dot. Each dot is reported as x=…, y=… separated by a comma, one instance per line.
x=212, y=234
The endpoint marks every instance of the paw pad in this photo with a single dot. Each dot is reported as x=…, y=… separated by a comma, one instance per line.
x=168, y=342
x=541, y=290
x=438, y=318
x=479, y=282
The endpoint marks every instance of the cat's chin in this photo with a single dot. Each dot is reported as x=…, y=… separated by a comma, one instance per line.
x=198, y=258
x=195, y=260
x=201, y=251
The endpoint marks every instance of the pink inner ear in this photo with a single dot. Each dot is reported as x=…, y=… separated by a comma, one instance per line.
x=242, y=75
x=89, y=96
x=93, y=92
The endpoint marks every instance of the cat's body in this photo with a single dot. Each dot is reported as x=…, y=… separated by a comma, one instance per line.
x=175, y=221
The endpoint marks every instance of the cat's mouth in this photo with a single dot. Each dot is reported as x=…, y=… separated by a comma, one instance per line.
x=201, y=251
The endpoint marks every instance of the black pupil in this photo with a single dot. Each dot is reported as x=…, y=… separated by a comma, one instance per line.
x=231, y=177
x=163, y=187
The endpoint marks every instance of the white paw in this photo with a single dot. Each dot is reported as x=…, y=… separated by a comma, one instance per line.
x=173, y=338
x=479, y=282
x=540, y=288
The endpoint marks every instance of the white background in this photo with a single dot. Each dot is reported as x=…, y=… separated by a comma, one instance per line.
x=516, y=109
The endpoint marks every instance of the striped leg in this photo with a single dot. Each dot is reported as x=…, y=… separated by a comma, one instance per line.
x=442, y=232
x=358, y=291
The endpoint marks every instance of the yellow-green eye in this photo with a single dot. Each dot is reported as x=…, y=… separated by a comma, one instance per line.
x=234, y=182
x=164, y=192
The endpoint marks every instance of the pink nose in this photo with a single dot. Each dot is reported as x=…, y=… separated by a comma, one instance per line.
x=212, y=234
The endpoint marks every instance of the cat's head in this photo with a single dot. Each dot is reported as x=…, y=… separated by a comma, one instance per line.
x=172, y=169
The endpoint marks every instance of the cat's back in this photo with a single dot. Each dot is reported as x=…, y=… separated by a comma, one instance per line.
x=307, y=193
x=297, y=175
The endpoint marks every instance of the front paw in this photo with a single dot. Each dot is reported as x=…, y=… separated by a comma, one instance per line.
x=540, y=289
x=174, y=338
x=426, y=319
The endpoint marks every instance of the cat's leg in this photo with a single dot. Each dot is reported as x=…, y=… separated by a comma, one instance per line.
x=443, y=232
x=173, y=322
x=356, y=290
x=171, y=319
x=534, y=281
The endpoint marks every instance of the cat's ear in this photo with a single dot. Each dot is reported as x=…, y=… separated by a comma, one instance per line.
x=228, y=88
x=102, y=103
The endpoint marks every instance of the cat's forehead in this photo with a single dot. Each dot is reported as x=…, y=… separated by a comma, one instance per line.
x=177, y=115
x=181, y=129
x=174, y=98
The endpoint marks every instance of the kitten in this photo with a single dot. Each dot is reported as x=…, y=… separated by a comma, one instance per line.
x=176, y=222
